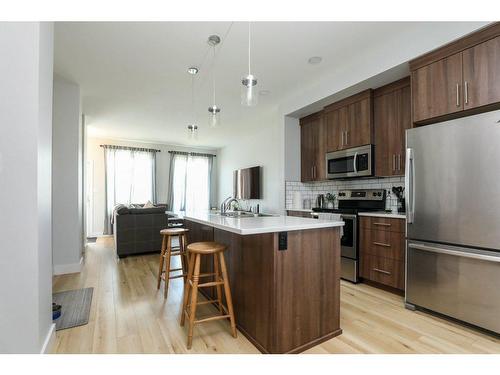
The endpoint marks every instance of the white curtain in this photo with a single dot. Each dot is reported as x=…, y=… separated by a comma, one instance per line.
x=190, y=179
x=130, y=178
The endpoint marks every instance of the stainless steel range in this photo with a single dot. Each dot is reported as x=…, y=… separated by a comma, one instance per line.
x=351, y=202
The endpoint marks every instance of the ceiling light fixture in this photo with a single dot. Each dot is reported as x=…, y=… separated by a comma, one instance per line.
x=315, y=60
x=248, y=94
x=193, y=128
x=213, y=110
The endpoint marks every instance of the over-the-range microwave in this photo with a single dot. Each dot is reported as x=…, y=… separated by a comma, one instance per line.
x=353, y=162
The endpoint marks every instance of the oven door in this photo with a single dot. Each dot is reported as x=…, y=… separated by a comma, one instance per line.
x=348, y=246
x=354, y=162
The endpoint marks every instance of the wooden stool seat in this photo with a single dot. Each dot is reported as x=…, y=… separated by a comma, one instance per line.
x=168, y=251
x=173, y=231
x=220, y=279
x=205, y=247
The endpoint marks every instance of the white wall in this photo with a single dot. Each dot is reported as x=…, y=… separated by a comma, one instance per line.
x=25, y=185
x=277, y=148
x=95, y=172
x=67, y=228
x=261, y=146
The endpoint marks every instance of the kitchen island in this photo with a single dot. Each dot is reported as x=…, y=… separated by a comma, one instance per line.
x=284, y=274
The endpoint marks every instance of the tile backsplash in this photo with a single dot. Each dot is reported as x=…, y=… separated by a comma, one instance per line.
x=309, y=190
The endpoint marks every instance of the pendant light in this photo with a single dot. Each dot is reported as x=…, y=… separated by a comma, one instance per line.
x=192, y=128
x=248, y=90
x=213, y=110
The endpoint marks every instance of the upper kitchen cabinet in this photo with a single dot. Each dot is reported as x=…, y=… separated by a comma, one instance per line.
x=312, y=148
x=437, y=88
x=349, y=122
x=481, y=67
x=392, y=116
x=459, y=79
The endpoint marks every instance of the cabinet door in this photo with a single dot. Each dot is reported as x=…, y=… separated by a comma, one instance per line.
x=481, y=66
x=437, y=88
x=403, y=105
x=319, y=167
x=386, y=134
x=306, y=151
x=335, y=123
x=359, y=125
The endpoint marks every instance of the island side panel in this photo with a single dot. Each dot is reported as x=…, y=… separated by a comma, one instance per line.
x=307, y=289
x=250, y=266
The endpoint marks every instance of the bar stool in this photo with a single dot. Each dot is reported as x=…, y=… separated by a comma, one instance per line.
x=196, y=251
x=167, y=251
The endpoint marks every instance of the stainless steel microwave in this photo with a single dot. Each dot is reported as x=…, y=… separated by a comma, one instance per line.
x=353, y=162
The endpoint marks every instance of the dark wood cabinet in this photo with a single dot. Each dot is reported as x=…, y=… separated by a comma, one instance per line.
x=481, y=73
x=382, y=251
x=296, y=213
x=312, y=148
x=392, y=116
x=458, y=79
x=349, y=122
x=437, y=88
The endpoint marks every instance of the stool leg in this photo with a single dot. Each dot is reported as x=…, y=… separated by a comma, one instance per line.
x=227, y=291
x=182, y=247
x=217, y=278
x=194, y=300
x=163, y=246
x=167, y=265
x=187, y=288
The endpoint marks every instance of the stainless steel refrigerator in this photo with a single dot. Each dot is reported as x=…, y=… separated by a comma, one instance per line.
x=453, y=219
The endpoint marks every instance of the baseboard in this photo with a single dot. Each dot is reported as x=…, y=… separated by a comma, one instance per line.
x=48, y=344
x=62, y=269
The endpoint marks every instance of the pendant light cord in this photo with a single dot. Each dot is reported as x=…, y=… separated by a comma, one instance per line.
x=249, y=50
x=213, y=75
x=192, y=100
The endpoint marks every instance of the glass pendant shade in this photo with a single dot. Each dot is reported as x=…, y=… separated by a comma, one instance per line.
x=249, y=93
x=192, y=132
x=213, y=116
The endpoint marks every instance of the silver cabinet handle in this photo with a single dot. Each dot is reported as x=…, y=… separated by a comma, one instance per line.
x=393, y=162
x=458, y=95
x=342, y=139
x=381, y=244
x=383, y=224
x=314, y=170
x=399, y=162
x=466, y=88
x=381, y=271
x=346, y=137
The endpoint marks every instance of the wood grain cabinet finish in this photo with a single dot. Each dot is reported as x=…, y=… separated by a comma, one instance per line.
x=481, y=73
x=392, y=116
x=306, y=214
x=312, y=148
x=285, y=301
x=349, y=122
x=382, y=251
x=461, y=78
x=437, y=88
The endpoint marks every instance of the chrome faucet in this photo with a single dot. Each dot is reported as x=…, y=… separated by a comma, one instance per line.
x=226, y=204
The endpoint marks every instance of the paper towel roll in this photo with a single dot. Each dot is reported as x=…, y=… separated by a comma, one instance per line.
x=297, y=199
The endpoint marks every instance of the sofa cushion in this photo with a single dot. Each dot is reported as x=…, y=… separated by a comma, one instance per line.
x=141, y=211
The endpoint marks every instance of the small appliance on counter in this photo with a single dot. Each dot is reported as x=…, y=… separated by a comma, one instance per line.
x=320, y=201
x=399, y=192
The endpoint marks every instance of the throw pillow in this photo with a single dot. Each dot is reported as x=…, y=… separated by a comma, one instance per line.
x=148, y=205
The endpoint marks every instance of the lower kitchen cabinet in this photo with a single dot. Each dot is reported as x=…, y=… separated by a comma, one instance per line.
x=382, y=255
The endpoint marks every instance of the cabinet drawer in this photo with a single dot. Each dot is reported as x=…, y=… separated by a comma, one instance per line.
x=382, y=243
x=383, y=270
x=382, y=224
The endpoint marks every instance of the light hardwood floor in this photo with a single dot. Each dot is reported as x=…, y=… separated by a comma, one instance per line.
x=129, y=315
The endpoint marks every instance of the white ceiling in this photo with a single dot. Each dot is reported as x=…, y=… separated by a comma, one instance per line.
x=133, y=76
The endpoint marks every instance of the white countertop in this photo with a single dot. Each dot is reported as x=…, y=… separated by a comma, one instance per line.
x=390, y=215
x=256, y=225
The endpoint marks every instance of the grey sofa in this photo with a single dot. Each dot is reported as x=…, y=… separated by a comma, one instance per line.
x=137, y=230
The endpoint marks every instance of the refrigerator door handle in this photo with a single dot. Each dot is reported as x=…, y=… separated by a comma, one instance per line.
x=450, y=251
x=410, y=186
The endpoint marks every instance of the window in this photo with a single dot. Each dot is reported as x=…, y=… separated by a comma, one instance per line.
x=130, y=178
x=190, y=182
